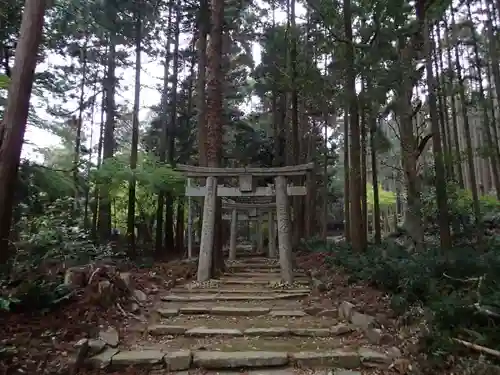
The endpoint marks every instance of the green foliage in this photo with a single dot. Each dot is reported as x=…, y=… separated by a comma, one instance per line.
x=386, y=198
x=456, y=286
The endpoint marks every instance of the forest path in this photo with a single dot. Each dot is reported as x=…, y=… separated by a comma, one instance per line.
x=248, y=319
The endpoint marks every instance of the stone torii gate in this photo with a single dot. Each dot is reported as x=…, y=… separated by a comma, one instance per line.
x=254, y=212
x=247, y=188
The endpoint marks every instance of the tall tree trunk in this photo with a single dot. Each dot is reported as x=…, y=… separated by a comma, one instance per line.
x=135, y=134
x=95, y=207
x=347, y=193
x=356, y=224
x=162, y=152
x=203, y=29
x=467, y=131
x=104, y=223
x=79, y=123
x=215, y=78
x=441, y=195
x=451, y=91
x=172, y=129
x=13, y=126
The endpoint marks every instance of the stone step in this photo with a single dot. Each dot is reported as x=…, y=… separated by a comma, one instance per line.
x=280, y=371
x=243, y=311
x=252, y=266
x=253, y=291
x=262, y=281
x=345, y=358
x=229, y=297
x=204, y=332
x=273, y=275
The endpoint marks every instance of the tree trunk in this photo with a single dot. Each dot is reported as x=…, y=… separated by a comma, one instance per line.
x=441, y=195
x=13, y=126
x=104, y=223
x=135, y=135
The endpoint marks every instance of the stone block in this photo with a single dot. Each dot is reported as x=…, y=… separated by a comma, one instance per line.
x=236, y=360
x=178, y=360
x=204, y=332
x=268, y=332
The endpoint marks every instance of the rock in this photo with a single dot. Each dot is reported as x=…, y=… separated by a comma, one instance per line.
x=105, y=291
x=137, y=358
x=330, y=313
x=126, y=277
x=140, y=295
x=312, y=332
x=167, y=313
x=239, y=311
x=135, y=308
x=177, y=361
x=96, y=346
x=220, y=360
x=394, y=352
x=372, y=358
x=346, y=310
x=110, y=336
x=344, y=372
x=318, y=285
x=203, y=332
x=191, y=310
x=269, y=332
x=103, y=359
x=334, y=358
x=162, y=329
x=287, y=313
x=77, y=277
x=313, y=310
x=362, y=321
x=341, y=329
x=374, y=335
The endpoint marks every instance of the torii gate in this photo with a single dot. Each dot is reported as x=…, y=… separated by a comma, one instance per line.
x=280, y=190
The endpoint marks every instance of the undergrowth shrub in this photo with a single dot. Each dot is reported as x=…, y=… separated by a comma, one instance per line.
x=48, y=244
x=460, y=287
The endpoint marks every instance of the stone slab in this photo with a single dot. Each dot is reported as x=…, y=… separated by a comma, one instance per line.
x=227, y=360
x=334, y=358
x=229, y=297
x=287, y=313
x=179, y=291
x=267, y=332
x=164, y=329
x=205, y=332
x=137, y=358
x=195, y=310
x=311, y=332
x=167, y=313
x=103, y=359
x=178, y=360
x=373, y=358
x=239, y=311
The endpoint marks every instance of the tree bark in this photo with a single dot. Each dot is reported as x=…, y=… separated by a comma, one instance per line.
x=13, y=126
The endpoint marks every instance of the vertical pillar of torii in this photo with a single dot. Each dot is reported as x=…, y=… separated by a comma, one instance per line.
x=190, y=224
x=260, y=233
x=284, y=240
x=272, y=235
x=233, y=234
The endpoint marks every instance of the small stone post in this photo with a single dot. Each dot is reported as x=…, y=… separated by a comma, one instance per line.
x=272, y=235
x=232, y=238
x=207, y=230
x=284, y=240
x=190, y=224
x=260, y=233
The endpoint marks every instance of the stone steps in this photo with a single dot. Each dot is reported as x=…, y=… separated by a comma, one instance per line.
x=253, y=291
x=279, y=371
x=236, y=311
x=343, y=358
x=263, y=274
x=261, y=281
x=229, y=297
x=203, y=332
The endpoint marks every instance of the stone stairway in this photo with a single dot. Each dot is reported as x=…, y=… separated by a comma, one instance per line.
x=249, y=320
